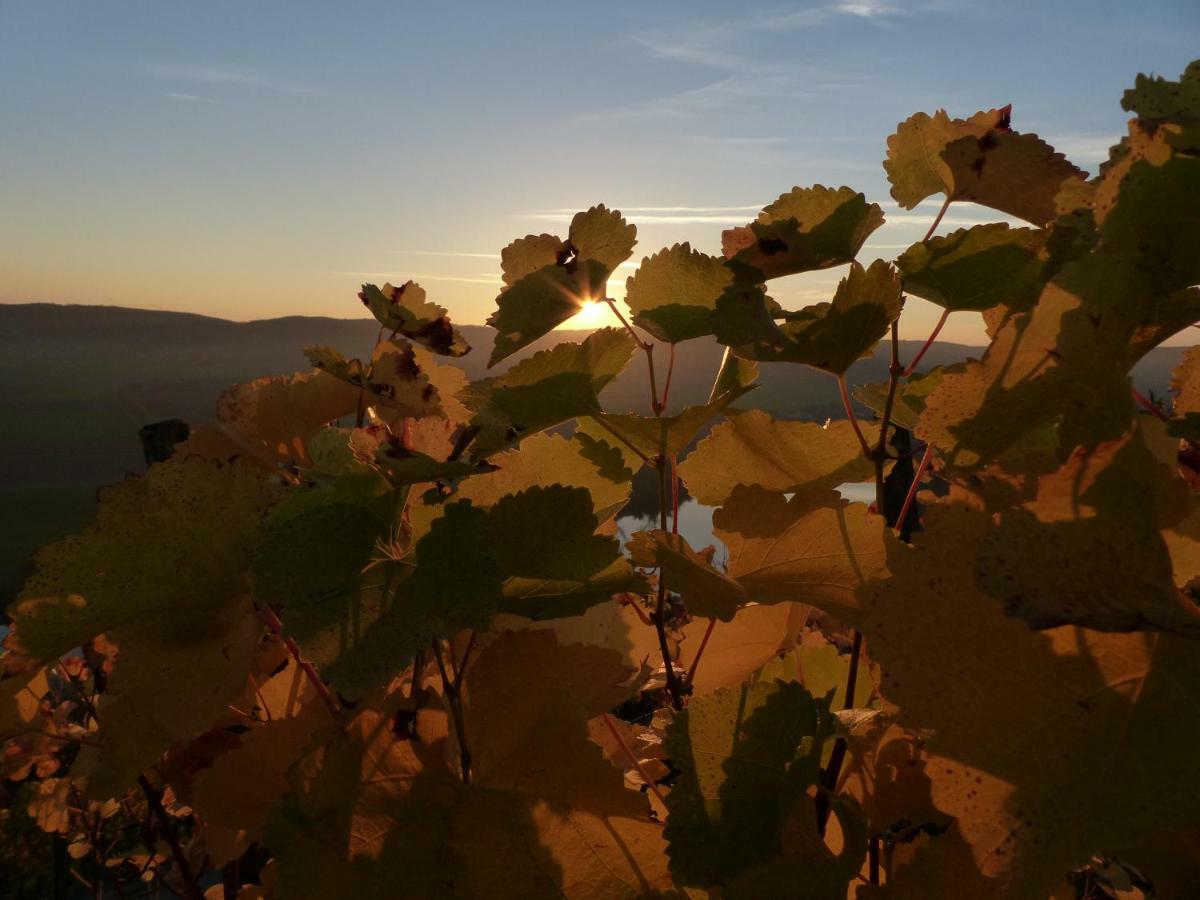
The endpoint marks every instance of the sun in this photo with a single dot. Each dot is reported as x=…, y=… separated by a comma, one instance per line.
x=592, y=314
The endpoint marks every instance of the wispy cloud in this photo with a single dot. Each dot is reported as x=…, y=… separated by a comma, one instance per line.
x=414, y=276
x=187, y=98
x=713, y=45
x=227, y=75
x=452, y=253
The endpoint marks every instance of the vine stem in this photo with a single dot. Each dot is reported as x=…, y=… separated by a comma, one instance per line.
x=1146, y=404
x=937, y=220
x=914, y=487
x=674, y=691
x=624, y=440
x=637, y=765
x=454, y=698
x=691, y=673
x=191, y=888
x=829, y=777
x=937, y=329
x=849, y=407
x=646, y=347
x=670, y=371
x=894, y=372
x=273, y=622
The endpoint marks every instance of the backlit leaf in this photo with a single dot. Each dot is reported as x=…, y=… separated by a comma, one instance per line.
x=753, y=448
x=405, y=311
x=805, y=229
x=976, y=268
x=705, y=591
x=673, y=293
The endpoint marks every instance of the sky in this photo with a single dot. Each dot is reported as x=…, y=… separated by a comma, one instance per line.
x=254, y=159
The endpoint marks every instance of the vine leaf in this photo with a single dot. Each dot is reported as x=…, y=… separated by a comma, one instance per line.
x=541, y=817
x=236, y=795
x=817, y=664
x=271, y=419
x=1159, y=99
x=571, y=550
x=1092, y=536
x=752, y=447
x=547, y=459
x=176, y=540
x=405, y=311
x=814, y=548
x=737, y=649
x=1030, y=794
x=139, y=721
x=828, y=336
x=908, y=402
x=1019, y=174
x=914, y=163
x=805, y=229
x=548, y=281
x=976, y=268
x=705, y=591
x=1051, y=381
x=545, y=390
x=747, y=759
x=673, y=292
x=658, y=436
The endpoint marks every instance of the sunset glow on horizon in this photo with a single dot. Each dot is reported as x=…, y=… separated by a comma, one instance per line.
x=204, y=159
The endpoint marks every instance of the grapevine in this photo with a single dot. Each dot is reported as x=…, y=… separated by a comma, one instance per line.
x=371, y=632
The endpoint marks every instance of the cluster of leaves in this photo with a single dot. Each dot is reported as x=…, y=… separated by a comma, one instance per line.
x=372, y=633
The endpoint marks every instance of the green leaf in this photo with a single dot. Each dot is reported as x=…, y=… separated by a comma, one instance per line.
x=823, y=671
x=814, y=548
x=545, y=390
x=545, y=814
x=1156, y=222
x=1031, y=807
x=526, y=255
x=405, y=467
x=753, y=448
x=805, y=229
x=547, y=459
x=658, y=436
x=1019, y=174
x=332, y=361
x=909, y=400
x=543, y=300
x=408, y=383
x=176, y=539
x=603, y=235
x=548, y=598
x=746, y=759
x=547, y=281
x=1158, y=99
x=673, y=293
x=1088, y=549
x=405, y=311
x=705, y=591
x=914, y=163
x=569, y=550
x=828, y=336
x=457, y=584
x=735, y=373
x=976, y=268
x=141, y=718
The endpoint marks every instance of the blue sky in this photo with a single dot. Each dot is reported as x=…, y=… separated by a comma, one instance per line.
x=255, y=159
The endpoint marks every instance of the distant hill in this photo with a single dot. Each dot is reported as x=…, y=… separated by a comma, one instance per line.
x=79, y=381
